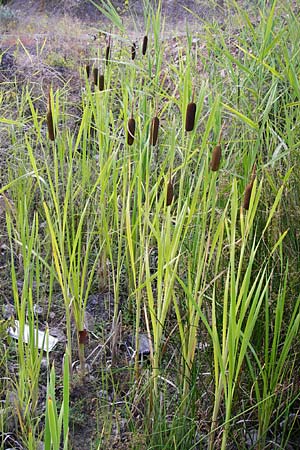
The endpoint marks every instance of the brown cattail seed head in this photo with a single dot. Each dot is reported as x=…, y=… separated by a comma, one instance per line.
x=101, y=83
x=107, y=54
x=216, y=158
x=96, y=76
x=154, y=130
x=50, y=124
x=145, y=44
x=170, y=192
x=133, y=51
x=190, y=116
x=247, y=195
x=83, y=337
x=88, y=70
x=130, y=131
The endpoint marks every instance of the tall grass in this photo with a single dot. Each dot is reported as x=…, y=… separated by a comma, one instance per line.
x=189, y=232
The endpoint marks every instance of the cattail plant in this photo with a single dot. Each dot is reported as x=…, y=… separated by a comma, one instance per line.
x=130, y=129
x=145, y=44
x=154, y=130
x=108, y=51
x=170, y=191
x=133, y=51
x=87, y=70
x=216, y=155
x=96, y=76
x=248, y=190
x=50, y=123
x=190, y=116
x=101, y=82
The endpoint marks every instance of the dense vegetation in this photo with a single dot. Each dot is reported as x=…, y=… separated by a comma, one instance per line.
x=170, y=191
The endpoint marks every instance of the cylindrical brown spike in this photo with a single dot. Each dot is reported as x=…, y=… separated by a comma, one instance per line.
x=247, y=195
x=145, y=44
x=170, y=192
x=88, y=70
x=130, y=131
x=101, y=82
x=107, y=54
x=50, y=124
x=216, y=158
x=133, y=51
x=190, y=116
x=96, y=76
x=154, y=130
x=83, y=337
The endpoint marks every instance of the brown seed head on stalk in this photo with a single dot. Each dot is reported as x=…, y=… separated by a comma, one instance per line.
x=170, y=191
x=101, y=82
x=108, y=51
x=83, y=337
x=216, y=158
x=87, y=70
x=50, y=124
x=190, y=116
x=133, y=51
x=96, y=76
x=248, y=190
x=145, y=44
x=154, y=130
x=216, y=154
x=130, y=130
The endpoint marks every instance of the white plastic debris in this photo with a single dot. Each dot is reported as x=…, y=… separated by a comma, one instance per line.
x=44, y=340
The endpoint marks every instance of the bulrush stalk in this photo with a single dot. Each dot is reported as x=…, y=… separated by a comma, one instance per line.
x=248, y=190
x=133, y=51
x=145, y=44
x=190, y=116
x=131, y=129
x=154, y=130
x=216, y=155
x=87, y=70
x=50, y=124
x=170, y=191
